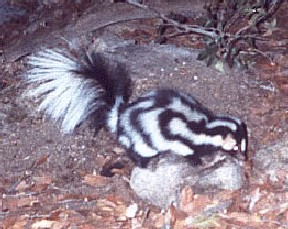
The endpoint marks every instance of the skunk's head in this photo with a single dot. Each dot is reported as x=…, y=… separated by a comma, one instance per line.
x=233, y=132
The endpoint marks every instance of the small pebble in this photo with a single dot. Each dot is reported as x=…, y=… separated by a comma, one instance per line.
x=122, y=218
x=131, y=210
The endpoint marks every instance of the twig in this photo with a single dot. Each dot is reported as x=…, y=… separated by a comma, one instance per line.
x=231, y=21
x=176, y=34
x=221, y=38
x=110, y=23
x=209, y=32
x=264, y=55
x=270, y=12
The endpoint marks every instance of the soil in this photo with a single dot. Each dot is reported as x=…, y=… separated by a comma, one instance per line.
x=51, y=180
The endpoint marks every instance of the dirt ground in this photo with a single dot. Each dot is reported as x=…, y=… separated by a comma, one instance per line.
x=50, y=180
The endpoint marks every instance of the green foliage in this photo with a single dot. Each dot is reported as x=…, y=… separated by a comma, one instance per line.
x=238, y=24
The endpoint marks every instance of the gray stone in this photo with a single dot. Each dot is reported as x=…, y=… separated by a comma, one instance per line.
x=162, y=181
x=272, y=161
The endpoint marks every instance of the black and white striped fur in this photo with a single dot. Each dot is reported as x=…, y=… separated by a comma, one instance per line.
x=96, y=89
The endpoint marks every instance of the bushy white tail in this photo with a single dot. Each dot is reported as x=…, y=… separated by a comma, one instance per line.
x=68, y=96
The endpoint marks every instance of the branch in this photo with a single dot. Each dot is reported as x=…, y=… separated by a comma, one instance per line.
x=271, y=11
x=209, y=32
x=265, y=55
x=110, y=23
x=224, y=44
x=262, y=18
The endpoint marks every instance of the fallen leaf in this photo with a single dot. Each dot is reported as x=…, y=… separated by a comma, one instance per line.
x=115, y=199
x=40, y=161
x=193, y=204
x=87, y=226
x=43, y=224
x=260, y=110
x=19, y=224
x=95, y=180
x=119, y=150
x=203, y=222
x=245, y=218
x=121, y=218
x=43, y=180
x=22, y=186
x=159, y=220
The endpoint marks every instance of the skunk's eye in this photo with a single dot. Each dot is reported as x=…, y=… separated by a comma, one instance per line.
x=236, y=148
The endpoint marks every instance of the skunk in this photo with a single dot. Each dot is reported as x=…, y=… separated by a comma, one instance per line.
x=96, y=89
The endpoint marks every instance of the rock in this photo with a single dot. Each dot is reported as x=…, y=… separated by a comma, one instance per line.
x=272, y=162
x=161, y=182
x=227, y=177
x=111, y=44
x=160, y=186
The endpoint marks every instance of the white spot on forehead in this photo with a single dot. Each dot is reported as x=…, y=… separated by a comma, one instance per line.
x=243, y=145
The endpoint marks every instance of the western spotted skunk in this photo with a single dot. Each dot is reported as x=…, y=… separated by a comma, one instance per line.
x=97, y=89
